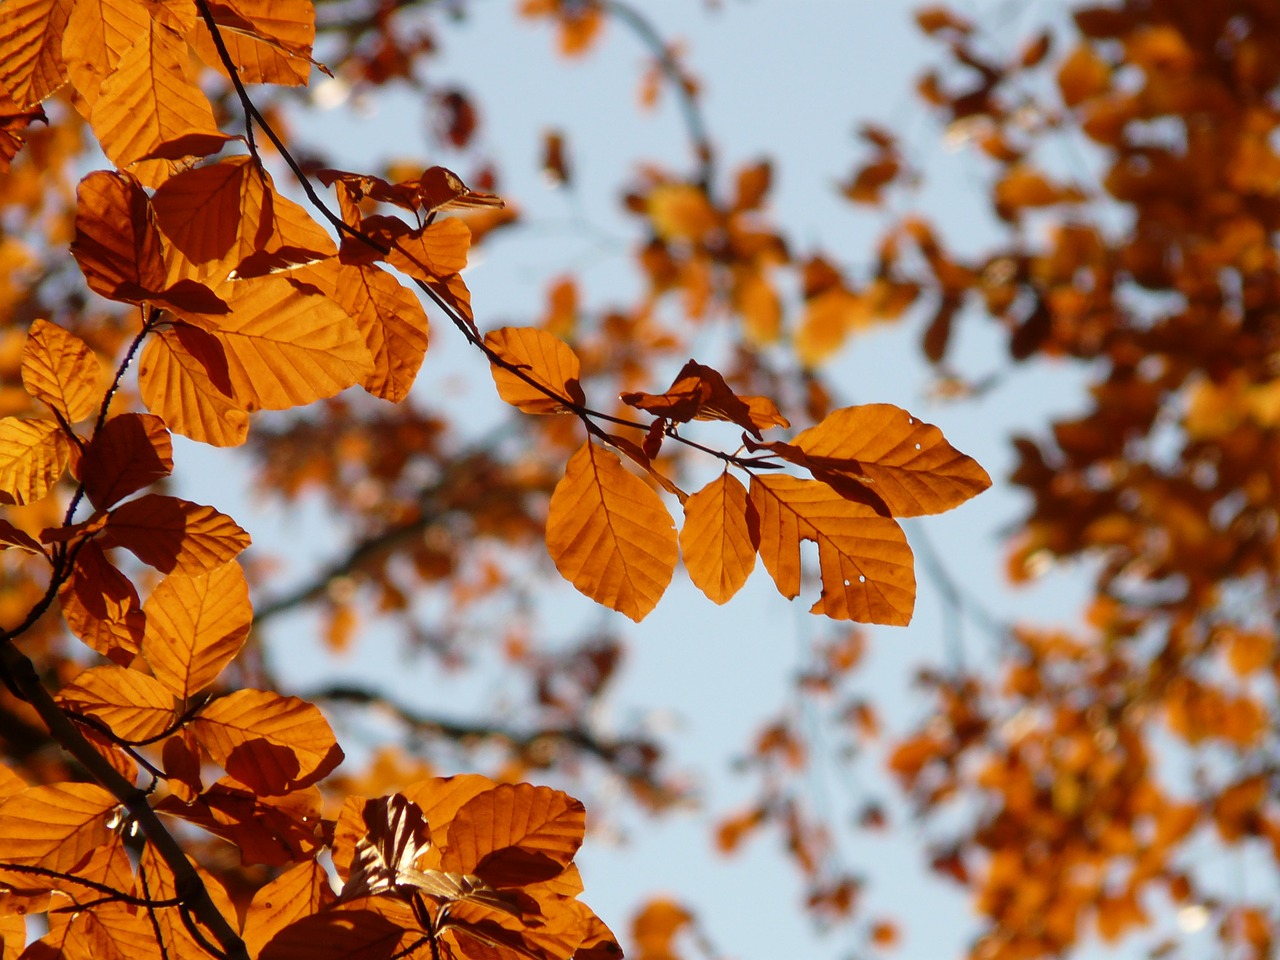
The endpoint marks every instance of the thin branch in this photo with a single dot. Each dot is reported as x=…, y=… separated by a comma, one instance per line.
x=112, y=895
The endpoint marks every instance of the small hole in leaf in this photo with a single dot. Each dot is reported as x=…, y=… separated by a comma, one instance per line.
x=917, y=446
x=861, y=578
x=846, y=583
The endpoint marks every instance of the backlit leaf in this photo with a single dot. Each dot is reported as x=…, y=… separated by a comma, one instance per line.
x=274, y=831
x=130, y=452
x=269, y=41
x=609, y=533
x=59, y=369
x=150, y=108
x=172, y=534
x=195, y=627
x=271, y=743
x=31, y=64
x=97, y=35
x=134, y=705
x=719, y=537
x=436, y=250
x=338, y=935
x=180, y=380
x=543, y=358
x=54, y=825
x=287, y=344
x=515, y=834
x=863, y=558
x=33, y=456
x=117, y=245
x=12, y=538
x=909, y=464
x=700, y=393
x=298, y=892
x=101, y=606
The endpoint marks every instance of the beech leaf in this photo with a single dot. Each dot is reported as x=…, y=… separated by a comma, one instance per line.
x=33, y=456
x=719, y=538
x=172, y=534
x=130, y=452
x=545, y=359
x=59, y=369
x=609, y=533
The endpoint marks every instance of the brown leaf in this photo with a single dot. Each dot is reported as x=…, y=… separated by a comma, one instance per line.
x=101, y=606
x=609, y=533
x=700, y=393
x=172, y=534
x=59, y=369
x=130, y=452
x=339, y=935
x=117, y=245
x=515, y=834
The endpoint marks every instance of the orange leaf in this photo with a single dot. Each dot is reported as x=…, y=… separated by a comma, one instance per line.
x=269, y=830
x=298, y=892
x=269, y=41
x=287, y=344
x=150, y=107
x=101, y=606
x=183, y=378
x=136, y=707
x=172, y=534
x=700, y=393
x=515, y=834
x=270, y=743
x=864, y=560
x=436, y=250
x=609, y=533
x=681, y=211
x=543, y=358
x=11, y=538
x=130, y=452
x=909, y=464
x=33, y=456
x=720, y=536
x=59, y=369
x=441, y=798
x=97, y=34
x=31, y=64
x=339, y=935
x=117, y=245
x=195, y=627
x=392, y=321
x=56, y=825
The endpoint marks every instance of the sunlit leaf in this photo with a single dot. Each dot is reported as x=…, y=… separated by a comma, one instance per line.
x=719, y=538
x=909, y=464
x=436, y=250
x=33, y=456
x=55, y=825
x=268, y=41
x=863, y=558
x=339, y=935
x=59, y=369
x=700, y=393
x=31, y=64
x=515, y=834
x=300, y=891
x=609, y=533
x=195, y=627
x=271, y=743
x=117, y=245
x=134, y=705
x=182, y=381
x=544, y=359
x=172, y=534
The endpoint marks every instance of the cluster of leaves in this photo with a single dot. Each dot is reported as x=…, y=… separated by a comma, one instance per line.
x=232, y=299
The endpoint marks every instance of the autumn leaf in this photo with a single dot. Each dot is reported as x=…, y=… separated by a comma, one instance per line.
x=172, y=534
x=863, y=558
x=31, y=64
x=300, y=891
x=434, y=251
x=515, y=834
x=195, y=627
x=149, y=106
x=183, y=378
x=546, y=360
x=101, y=605
x=130, y=452
x=720, y=537
x=270, y=743
x=59, y=369
x=12, y=538
x=33, y=456
x=269, y=42
x=907, y=463
x=117, y=245
x=274, y=831
x=339, y=935
x=133, y=705
x=609, y=534
x=54, y=825
x=700, y=393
